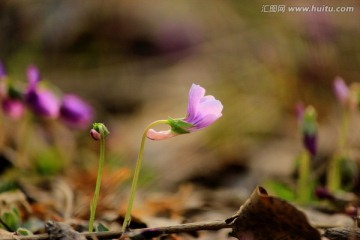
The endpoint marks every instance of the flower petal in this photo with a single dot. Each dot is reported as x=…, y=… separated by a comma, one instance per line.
x=210, y=107
x=33, y=75
x=196, y=93
x=160, y=135
x=43, y=102
x=205, y=121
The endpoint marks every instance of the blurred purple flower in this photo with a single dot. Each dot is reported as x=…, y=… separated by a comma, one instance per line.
x=310, y=143
x=43, y=102
x=75, y=112
x=341, y=90
x=309, y=130
x=2, y=70
x=324, y=193
x=11, y=100
x=13, y=108
x=202, y=111
x=3, y=81
x=33, y=75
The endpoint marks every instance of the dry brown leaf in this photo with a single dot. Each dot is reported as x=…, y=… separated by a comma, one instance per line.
x=263, y=217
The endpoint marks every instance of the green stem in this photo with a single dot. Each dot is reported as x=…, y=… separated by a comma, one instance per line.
x=304, y=188
x=127, y=218
x=98, y=181
x=334, y=174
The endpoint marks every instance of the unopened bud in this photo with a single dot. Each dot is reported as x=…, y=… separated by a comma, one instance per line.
x=99, y=131
x=309, y=130
x=95, y=135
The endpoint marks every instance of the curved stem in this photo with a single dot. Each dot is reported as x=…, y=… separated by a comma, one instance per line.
x=98, y=181
x=127, y=218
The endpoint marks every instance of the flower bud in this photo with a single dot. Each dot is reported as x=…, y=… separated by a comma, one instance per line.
x=309, y=130
x=95, y=135
x=98, y=131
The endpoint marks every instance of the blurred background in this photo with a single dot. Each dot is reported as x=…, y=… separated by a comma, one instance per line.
x=135, y=61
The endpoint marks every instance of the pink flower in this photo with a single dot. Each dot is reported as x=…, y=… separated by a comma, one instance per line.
x=202, y=111
x=341, y=90
x=13, y=108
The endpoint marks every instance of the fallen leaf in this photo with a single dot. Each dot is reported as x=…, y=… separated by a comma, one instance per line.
x=263, y=217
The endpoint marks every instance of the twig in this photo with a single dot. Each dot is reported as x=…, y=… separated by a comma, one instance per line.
x=138, y=233
x=342, y=233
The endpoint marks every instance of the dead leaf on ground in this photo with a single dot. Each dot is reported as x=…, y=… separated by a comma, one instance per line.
x=263, y=217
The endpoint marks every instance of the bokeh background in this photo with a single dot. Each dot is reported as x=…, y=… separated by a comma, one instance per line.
x=135, y=61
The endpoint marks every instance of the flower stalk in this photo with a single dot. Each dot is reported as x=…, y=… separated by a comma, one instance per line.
x=304, y=189
x=308, y=126
x=102, y=132
x=138, y=165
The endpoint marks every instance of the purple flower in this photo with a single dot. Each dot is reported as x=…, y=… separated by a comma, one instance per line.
x=75, y=112
x=202, y=111
x=341, y=90
x=14, y=108
x=33, y=75
x=309, y=130
x=310, y=143
x=2, y=71
x=3, y=81
x=43, y=102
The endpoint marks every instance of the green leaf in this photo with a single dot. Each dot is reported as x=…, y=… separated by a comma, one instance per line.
x=280, y=190
x=101, y=228
x=24, y=232
x=11, y=219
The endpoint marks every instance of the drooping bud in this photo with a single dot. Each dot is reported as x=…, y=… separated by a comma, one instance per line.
x=99, y=131
x=309, y=130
